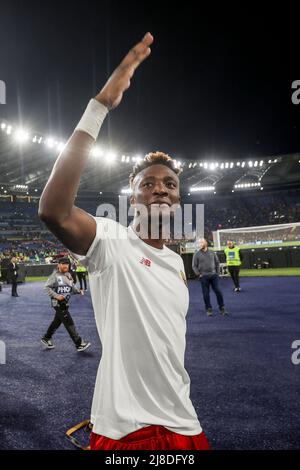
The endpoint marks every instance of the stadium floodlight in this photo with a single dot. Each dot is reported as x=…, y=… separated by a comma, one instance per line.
x=127, y=159
x=40, y=140
x=3, y=125
x=231, y=164
x=50, y=142
x=222, y=166
x=275, y=161
x=261, y=163
x=226, y=165
x=238, y=163
x=250, y=164
x=137, y=158
x=110, y=157
x=243, y=164
x=8, y=130
x=255, y=163
x=190, y=165
x=97, y=152
x=200, y=164
x=189, y=194
x=194, y=165
x=217, y=165
x=201, y=188
x=212, y=166
x=126, y=191
x=123, y=158
x=60, y=146
x=205, y=165
x=21, y=135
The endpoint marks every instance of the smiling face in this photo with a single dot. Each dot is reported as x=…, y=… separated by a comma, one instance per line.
x=156, y=186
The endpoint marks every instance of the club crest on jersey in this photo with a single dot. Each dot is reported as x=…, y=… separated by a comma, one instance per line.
x=146, y=262
x=182, y=275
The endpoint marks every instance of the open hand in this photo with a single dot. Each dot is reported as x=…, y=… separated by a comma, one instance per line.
x=112, y=92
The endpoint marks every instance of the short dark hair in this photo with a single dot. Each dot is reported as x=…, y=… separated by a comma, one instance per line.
x=154, y=158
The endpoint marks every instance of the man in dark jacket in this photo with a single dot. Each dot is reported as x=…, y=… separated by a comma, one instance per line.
x=206, y=266
x=59, y=287
x=13, y=269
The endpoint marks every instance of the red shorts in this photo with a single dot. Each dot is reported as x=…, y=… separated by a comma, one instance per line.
x=151, y=438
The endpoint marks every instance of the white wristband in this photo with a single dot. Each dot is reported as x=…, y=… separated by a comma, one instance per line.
x=92, y=118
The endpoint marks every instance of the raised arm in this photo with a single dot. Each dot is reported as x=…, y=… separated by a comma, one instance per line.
x=74, y=227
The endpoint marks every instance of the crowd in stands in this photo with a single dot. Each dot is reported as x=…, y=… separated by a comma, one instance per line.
x=23, y=234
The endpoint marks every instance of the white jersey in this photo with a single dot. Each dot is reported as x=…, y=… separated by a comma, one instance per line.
x=140, y=299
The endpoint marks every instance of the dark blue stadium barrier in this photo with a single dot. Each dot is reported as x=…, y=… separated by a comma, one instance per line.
x=277, y=257
x=31, y=270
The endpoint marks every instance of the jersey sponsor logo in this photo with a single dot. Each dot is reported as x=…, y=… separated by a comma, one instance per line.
x=146, y=262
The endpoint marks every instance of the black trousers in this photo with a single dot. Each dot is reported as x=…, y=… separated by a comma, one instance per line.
x=81, y=277
x=62, y=316
x=234, y=272
x=14, y=285
x=212, y=280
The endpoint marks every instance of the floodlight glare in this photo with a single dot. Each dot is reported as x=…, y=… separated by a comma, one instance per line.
x=21, y=136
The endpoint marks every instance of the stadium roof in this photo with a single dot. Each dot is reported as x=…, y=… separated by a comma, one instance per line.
x=26, y=161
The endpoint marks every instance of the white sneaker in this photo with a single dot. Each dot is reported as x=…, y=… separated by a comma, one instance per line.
x=48, y=343
x=83, y=346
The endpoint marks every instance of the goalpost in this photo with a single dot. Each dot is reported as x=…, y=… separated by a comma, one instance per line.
x=260, y=236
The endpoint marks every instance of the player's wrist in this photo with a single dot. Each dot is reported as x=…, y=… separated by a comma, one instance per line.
x=103, y=99
x=92, y=118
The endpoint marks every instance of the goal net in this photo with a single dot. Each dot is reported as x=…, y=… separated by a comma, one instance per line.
x=261, y=236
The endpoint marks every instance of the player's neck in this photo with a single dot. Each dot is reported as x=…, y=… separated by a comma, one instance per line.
x=155, y=243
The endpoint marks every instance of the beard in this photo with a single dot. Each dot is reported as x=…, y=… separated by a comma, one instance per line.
x=157, y=222
x=161, y=225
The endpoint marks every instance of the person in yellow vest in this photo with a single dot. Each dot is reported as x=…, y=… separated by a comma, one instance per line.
x=81, y=273
x=234, y=259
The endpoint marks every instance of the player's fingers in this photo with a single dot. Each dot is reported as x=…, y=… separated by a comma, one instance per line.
x=138, y=53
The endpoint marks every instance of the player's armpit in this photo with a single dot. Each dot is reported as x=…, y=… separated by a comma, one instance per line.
x=76, y=232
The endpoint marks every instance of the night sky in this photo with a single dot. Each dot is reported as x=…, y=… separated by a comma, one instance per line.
x=217, y=84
